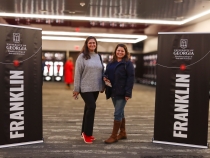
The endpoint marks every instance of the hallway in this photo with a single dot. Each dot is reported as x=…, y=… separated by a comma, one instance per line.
x=62, y=118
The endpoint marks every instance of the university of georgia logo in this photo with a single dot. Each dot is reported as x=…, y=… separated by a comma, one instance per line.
x=184, y=53
x=183, y=43
x=16, y=37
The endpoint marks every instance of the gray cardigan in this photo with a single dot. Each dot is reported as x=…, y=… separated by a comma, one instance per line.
x=88, y=74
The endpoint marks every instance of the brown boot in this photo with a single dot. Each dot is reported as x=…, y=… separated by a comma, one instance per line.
x=113, y=137
x=122, y=134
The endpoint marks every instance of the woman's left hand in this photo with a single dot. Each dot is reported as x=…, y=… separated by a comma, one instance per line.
x=102, y=90
x=126, y=98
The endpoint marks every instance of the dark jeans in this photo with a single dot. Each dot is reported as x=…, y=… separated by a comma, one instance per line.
x=89, y=111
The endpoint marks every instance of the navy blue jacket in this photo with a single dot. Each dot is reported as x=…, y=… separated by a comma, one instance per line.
x=123, y=80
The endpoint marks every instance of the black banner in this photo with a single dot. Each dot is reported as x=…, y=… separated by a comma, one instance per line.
x=20, y=86
x=182, y=91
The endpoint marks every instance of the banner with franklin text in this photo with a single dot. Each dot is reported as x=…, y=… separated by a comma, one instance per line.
x=20, y=86
x=182, y=91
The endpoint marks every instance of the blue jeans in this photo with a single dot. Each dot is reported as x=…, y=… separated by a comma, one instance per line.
x=119, y=105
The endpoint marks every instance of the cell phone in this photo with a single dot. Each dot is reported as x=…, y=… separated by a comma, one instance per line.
x=108, y=83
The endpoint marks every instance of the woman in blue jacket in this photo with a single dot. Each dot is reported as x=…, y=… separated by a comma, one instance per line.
x=119, y=79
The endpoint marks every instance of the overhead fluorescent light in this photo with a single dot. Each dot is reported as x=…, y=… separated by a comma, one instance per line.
x=57, y=38
x=124, y=20
x=61, y=33
x=120, y=38
x=98, y=39
x=195, y=17
x=116, y=40
x=83, y=18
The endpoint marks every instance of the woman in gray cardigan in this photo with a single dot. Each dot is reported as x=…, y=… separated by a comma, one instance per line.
x=88, y=83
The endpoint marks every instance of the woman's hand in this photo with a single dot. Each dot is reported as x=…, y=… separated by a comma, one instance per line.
x=75, y=95
x=106, y=79
x=102, y=90
x=126, y=98
x=107, y=82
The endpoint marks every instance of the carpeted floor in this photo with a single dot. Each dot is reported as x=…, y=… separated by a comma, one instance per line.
x=62, y=118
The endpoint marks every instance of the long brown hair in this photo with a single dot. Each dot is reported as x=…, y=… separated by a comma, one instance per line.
x=127, y=54
x=85, y=50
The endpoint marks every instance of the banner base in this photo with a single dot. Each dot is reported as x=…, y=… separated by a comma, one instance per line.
x=181, y=144
x=18, y=144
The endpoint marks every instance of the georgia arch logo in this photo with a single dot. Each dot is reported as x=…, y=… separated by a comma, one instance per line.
x=16, y=37
x=183, y=43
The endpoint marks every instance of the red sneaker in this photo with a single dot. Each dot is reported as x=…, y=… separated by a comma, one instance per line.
x=87, y=139
x=91, y=137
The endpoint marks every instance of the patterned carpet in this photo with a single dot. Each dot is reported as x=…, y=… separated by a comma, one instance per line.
x=62, y=118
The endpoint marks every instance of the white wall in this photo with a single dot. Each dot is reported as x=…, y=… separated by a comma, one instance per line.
x=199, y=27
x=151, y=43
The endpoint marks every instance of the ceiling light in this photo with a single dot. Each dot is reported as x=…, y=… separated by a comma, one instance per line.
x=195, y=17
x=83, y=18
x=102, y=24
x=48, y=21
x=92, y=34
x=122, y=25
x=38, y=20
x=62, y=38
x=58, y=21
x=83, y=39
x=178, y=1
x=93, y=23
x=123, y=20
x=118, y=38
x=115, y=40
x=113, y=24
x=132, y=25
x=82, y=4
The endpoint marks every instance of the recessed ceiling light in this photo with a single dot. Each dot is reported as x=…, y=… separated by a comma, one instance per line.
x=82, y=4
x=178, y=1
